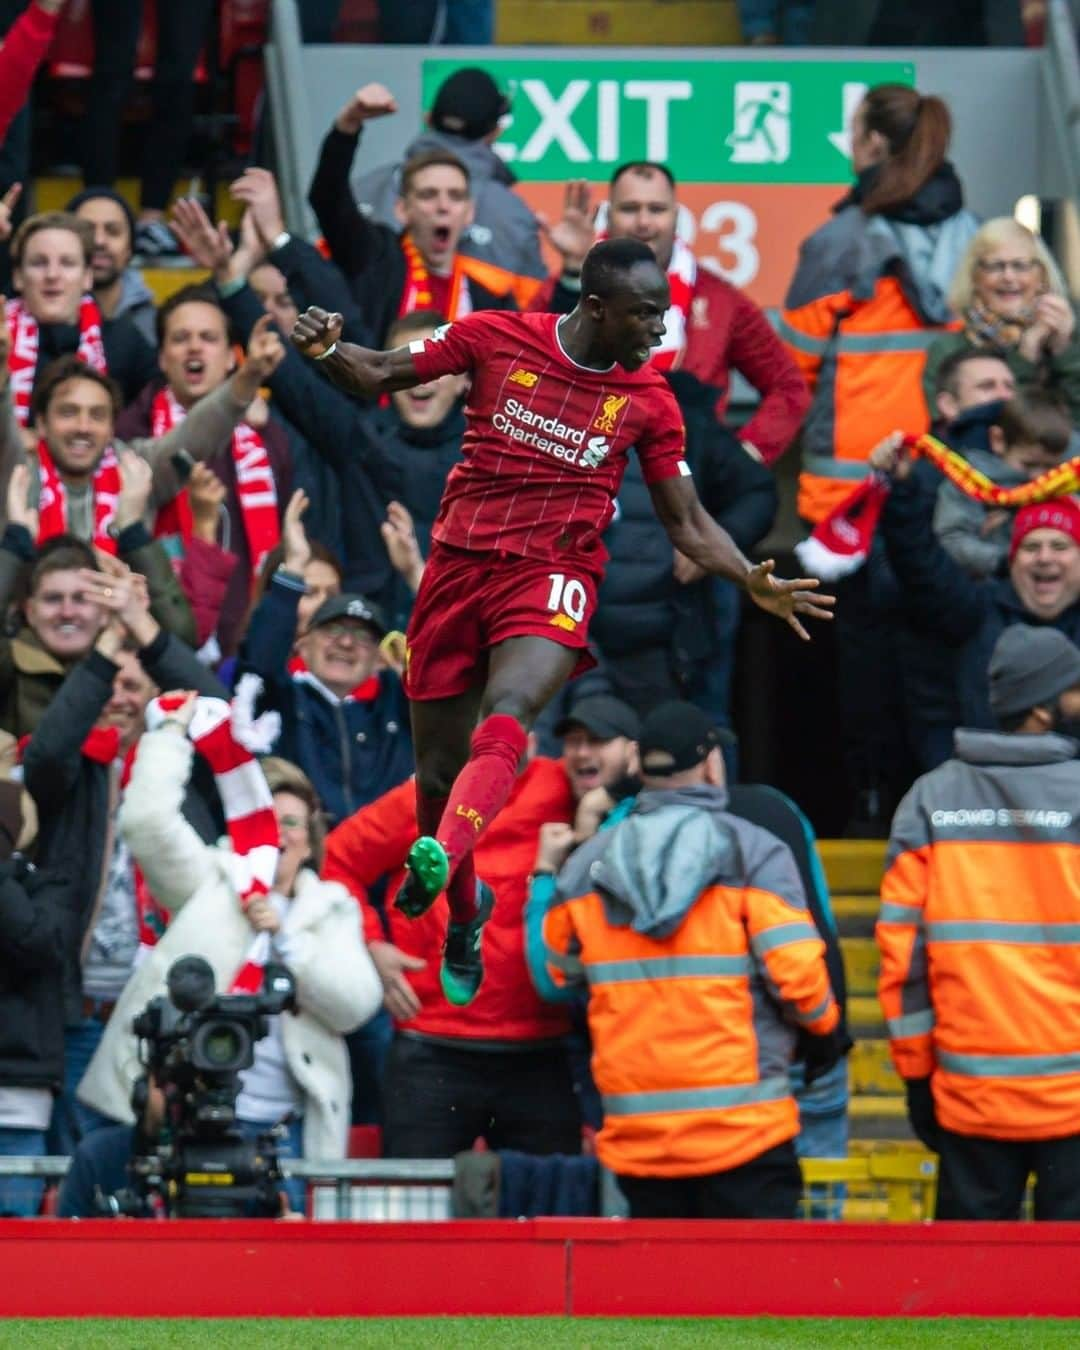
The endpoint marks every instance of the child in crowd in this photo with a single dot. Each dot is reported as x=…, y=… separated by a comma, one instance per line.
x=1030, y=435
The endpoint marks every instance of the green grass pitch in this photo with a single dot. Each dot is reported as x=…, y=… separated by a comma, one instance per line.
x=524, y=1333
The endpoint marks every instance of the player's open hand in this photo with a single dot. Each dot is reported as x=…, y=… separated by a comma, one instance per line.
x=788, y=599
x=316, y=331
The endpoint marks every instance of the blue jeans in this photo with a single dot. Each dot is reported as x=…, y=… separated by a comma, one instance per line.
x=712, y=687
x=369, y=1049
x=21, y=1196
x=823, y=1131
x=469, y=23
x=70, y=1118
x=292, y=1146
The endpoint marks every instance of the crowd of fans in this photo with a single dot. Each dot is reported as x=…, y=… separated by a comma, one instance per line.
x=188, y=502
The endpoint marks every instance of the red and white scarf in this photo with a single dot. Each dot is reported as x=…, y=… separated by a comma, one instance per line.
x=24, y=336
x=682, y=277
x=53, y=504
x=417, y=293
x=254, y=484
x=103, y=747
x=364, y=692
x=228, y=737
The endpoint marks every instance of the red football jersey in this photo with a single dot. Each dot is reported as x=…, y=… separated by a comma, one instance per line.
x=546, y=440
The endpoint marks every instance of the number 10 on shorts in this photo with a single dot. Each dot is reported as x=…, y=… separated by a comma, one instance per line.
x=567, y=596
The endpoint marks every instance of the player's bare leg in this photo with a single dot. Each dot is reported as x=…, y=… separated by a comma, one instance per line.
x=523, y=674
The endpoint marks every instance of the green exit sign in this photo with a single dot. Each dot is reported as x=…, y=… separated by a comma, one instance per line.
x=709, y=121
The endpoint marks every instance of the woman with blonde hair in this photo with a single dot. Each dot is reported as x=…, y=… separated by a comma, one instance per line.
x=1012, y=300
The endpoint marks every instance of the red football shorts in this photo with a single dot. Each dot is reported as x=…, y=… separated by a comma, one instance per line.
x=470, y=601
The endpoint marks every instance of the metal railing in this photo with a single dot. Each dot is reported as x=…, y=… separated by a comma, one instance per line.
x=1061, y=76
x=897, y=1187
x=290, y=115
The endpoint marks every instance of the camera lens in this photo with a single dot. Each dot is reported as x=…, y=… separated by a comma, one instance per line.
x=222, y=1045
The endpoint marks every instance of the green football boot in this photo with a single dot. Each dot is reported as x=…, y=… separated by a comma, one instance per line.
x=462, y=970
x=428, y=870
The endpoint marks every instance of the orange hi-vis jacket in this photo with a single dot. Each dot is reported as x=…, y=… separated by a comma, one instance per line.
x=867, y=301
x=979, y=932
x=689, y=927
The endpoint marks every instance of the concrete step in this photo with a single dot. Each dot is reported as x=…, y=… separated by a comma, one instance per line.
x=855, y=914
x=852, y=866
x=861, y=963
x=877, y=1121
x=860, y=1148
x=871, y=1070
x=52, y=192
x=864, y=1016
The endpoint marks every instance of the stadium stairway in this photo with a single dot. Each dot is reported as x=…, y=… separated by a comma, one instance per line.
x=853, y=868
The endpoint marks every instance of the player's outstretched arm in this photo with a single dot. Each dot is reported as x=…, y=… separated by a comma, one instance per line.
x=359, y=370
x=694, y=532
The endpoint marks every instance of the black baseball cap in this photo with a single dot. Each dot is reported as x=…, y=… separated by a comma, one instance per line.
x=350, y=606
x=469, y=104
x=676, y=736
x=601, y=715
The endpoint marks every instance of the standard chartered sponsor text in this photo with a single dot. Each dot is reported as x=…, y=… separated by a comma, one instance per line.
x=568, y=446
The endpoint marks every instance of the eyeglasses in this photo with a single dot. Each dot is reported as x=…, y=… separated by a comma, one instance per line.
x=997, y=267
x=338, y=631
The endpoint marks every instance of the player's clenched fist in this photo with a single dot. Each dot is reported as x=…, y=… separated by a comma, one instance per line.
x=315, y=331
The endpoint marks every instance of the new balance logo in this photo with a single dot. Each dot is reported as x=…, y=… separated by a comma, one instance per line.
x=528, y=378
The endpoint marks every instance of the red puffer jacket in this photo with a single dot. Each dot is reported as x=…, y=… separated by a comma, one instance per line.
x=373, y=843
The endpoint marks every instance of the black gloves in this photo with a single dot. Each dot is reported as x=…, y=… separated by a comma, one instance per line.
x=820, y=1053
x=920, y=1106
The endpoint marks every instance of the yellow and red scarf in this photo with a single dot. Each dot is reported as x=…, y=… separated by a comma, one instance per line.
x=417, y=293
x=24, y=336
x=254, y=484
x=839, y=544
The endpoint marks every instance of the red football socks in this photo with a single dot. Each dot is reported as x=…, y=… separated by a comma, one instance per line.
x=479, y=793
x=461, y=891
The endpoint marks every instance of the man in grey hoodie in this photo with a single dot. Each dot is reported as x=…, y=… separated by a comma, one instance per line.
x=119, y=288
x=465, y=119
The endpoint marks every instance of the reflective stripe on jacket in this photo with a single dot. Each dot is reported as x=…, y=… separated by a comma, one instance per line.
x=694, y=990
x=979, y=932
x=866, y=304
